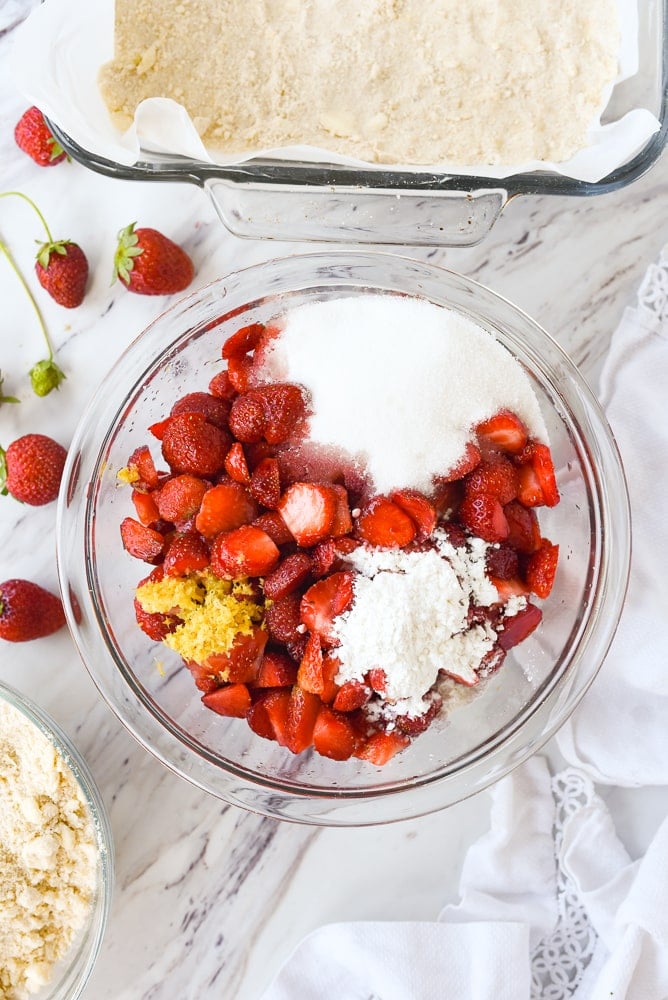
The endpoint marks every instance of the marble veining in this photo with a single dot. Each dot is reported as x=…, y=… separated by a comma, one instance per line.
x=210, y=900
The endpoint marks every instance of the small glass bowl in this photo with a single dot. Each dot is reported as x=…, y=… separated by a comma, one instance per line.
x=72, y=972
x=146, y=685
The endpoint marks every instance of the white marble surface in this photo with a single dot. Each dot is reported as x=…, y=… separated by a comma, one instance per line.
x=210, y=900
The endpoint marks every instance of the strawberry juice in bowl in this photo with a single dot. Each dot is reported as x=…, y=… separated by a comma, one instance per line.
x=427, y=651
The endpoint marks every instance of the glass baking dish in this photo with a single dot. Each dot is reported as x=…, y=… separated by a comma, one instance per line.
x=292, y=200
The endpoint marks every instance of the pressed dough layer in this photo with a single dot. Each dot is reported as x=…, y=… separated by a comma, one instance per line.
x=388, y=81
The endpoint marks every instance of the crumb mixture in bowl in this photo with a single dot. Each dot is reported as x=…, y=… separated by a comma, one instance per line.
x=386, y=81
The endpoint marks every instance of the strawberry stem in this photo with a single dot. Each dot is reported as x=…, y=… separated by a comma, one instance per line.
x=20, y=194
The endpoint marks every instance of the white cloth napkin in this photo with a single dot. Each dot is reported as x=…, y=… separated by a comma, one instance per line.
x=550, y=903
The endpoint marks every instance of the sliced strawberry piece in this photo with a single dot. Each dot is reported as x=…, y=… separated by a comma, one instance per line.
x=538, y=483
x=343, y=522
x=204, y=679
x=221, y=387
x=324, y=601
x=258, y=719
x=483, y=516
x=334, y=735
x=523, y=527
x=330, y=670
x=377, y=680
x=186, y=554
x=284, y=410
x=154, y=624
x=496, y=476
x=351, y=696
x=246, y=551
x=446, y=497
x=276, y=670
x=141, y=542
x=381, y=747
x=142, y=462
x=145, y=508
x=419, y=509
x=413, y=725
x=309, y=675
x=225, y=507
x=265, y=484
x=308, y=510
x=323, y=557
x=191, y=444
x=233, y=700
x=303, y=710
x=290, y=573
x=243, y=341
x=247, y=419
x=517, y=628
x=463, y=466
x=158, y=428
x=180, y=498
x=502, y=562
x=275, y=526
x=236, y=466
x=277, y=706
x=512, y=587
x=239, y=367
x=541, y=569
x=213, y=408
x=283, y=620
x=241, y=663
x=529, y=490
x=504, y=431
x=384, y=524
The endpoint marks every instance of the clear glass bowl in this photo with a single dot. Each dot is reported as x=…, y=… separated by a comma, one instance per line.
x=292, y=200
x=521, y=706
x=71, y=974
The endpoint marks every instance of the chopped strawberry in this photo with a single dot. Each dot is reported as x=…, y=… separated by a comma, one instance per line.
x=523, y=528
x=246, y=551
x=145, y=508
x=384, y=524
x=511, y=587
x=323, y=556
x=258, y=718
x=483, y=516
x=239, y=368
x=241, y=663
x=290, y=573
x=277, y=706
x=324, y=601
x=377, y=680
x=186, y=554
x=496, y=476
x=191, y=444
x=379, y=748
x=419, y=509
x=247, y=418
x=529, y=490
x=517, y=628
x=221, y=387
x=308, y=510
x=343, y=522
x=225, y=507
x=504, y=431
x=265, y=484
x=142, y=462
x=447, y=496
x=334, y=735
x=303, y=710
x=213, y=408
x=461, y=468
x=243, y=341
x=284, y=410
x=141, y=542
x=541, y=568
x=180, y=498
x=154, y=624
x=538, y=484
x=309, y=675
x=158, y=428
x=236, y=466
x=233, y=700
x=501, y=561
x=283, y=620
x=204, y=678
x=351, y=696
x=542, y=462
x=330, y=669
x=275, y=526
x=276, y=670
x=413, y=725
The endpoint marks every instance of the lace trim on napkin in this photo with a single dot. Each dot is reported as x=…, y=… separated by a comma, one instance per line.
x=653, y=291
x=560, y=960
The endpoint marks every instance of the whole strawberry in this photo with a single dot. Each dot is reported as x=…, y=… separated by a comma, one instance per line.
x=27, y=611
x=34, y=137
x=31, y=469
x=151, y=264
x=62, y=269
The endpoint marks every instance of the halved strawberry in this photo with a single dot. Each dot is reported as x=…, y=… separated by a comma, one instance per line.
x=191, y=444
x=421, y=511
x=145, y=508
x=523, y=527
x=221, y=386
x=232, y=700
x=243, y=341
x=180, y=498
x=541, y=569
x=225, y=507
x=213, y=408
x=239, y=367
x=290, y=573
x=247, y=419
x=517, y=628
x=504, y=431
x=236, y=465
x=275, y=526
x=308, y=510
x=464, y=465
x=186, y=554
x=276, y=670
x=303, y=710
x=265, y=484
x=246, y=551
x=241, y=663
x=483, y=516
x=309, y=674
x=283, y=620
x=140, y=541
x=324, y=601
x=334, y=734
x=381, y=747
x=496, y=476
x=142, y=462
x=284, y=409
x=384, y=524
x=351, y=696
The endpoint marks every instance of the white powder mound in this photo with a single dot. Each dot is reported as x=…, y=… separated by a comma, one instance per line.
x=48, y=856
x=409, y=617
x=398, y=382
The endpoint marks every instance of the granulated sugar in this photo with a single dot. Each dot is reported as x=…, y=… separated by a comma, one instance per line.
x=398, y=382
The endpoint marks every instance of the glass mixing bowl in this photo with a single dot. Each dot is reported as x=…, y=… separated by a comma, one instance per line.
x=519, y=708
x=71, y=973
